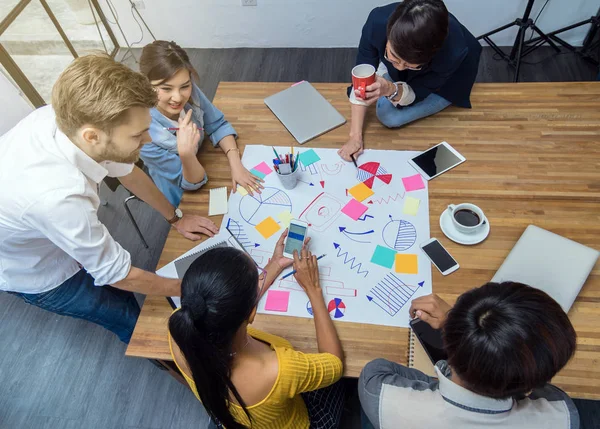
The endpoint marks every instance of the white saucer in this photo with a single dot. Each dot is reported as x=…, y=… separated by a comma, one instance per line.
x=453, y=234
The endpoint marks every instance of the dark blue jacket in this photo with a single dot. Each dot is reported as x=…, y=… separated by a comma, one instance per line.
x=450, y=74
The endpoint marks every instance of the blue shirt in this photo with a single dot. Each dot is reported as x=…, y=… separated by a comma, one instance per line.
x=161, y=156
x=450, y=74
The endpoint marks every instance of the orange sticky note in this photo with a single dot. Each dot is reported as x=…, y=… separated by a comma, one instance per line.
x=407, y=263
x=267, y=227
x=360, y=192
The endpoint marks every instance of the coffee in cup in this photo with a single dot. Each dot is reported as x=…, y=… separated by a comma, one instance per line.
x=466, y=217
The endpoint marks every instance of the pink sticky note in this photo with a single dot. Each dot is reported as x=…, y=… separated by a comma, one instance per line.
x=263, y=168
x=277, y=300
x=354, y=209
x=413, y=183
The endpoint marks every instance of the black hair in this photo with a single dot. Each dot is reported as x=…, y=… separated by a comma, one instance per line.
x=417, y=29
x=505, y=339
x=218, y=293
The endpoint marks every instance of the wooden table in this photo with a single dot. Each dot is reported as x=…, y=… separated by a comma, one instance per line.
x=533, y=157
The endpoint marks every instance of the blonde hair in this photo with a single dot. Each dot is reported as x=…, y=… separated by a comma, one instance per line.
x=97, y=90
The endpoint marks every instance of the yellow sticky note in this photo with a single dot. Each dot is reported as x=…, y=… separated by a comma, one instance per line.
x=285, y=218
x=267, y=227
x=360, y=192
x=242, y=191
x=411, y=206
x=407, y=263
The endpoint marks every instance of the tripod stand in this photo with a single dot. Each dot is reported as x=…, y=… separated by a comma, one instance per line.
x=517, y=53
x=588, y=44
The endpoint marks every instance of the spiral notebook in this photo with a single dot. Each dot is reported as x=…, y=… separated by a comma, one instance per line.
x=417, y=356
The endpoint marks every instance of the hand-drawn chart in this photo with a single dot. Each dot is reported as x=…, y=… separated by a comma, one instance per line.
x=372, y=266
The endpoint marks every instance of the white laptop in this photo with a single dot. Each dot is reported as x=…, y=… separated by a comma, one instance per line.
x=304, y=111
x=549, y=262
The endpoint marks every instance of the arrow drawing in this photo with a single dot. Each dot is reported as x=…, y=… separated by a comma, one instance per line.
x=346, y=233
x=309, y=184
x=322, y=182
x=351, y=261
x=364, y=217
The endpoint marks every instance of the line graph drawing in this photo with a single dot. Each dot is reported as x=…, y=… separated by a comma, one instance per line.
x=238, y=232
x=321, y=212
x=386, y=200
x=255, y=208
x=391, y=294
x=365, y=217
x=399, y=234
x=350, y=261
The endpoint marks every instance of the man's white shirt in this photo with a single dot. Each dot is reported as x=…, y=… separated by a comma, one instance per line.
x=48, y=210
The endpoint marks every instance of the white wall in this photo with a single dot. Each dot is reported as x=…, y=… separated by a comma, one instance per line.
x=320, y=23
x=15, y=107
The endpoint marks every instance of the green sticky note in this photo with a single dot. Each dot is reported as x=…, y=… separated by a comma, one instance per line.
x=258, y=173
x=384, y=256
x=309, y=157
x=411, y=206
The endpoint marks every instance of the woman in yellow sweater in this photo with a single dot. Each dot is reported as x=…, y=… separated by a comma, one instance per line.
x=244, y=377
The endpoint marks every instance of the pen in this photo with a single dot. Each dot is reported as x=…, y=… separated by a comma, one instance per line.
x=294, y=272
x=353, y=160
x=177, y=129
x=275, y=152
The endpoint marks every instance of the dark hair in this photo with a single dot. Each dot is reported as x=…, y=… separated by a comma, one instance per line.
x=160, y=60
x=218, y=293
x=505, y=339
x=417, y=29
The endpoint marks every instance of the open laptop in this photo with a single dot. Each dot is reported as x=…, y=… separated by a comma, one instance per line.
x=304, y=112
x=549, y=262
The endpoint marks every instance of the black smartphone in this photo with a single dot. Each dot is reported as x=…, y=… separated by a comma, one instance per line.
x=430, y=339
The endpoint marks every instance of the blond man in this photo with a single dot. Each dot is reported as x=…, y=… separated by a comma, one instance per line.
x=54, y=252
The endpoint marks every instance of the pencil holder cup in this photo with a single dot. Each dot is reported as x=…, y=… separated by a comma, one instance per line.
x=289, y=181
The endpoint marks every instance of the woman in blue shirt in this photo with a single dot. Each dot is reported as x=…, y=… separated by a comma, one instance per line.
x=171, y=157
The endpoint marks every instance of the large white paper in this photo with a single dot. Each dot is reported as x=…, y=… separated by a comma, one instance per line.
x=356, y=290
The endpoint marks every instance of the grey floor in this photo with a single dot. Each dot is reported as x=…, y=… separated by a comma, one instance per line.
x=57, y=372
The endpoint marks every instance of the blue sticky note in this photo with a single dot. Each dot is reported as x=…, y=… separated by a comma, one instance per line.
x=384, y=256
x=309, y=157
x=258, y=173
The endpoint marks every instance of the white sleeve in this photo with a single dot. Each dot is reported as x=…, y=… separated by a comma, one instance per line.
x=408, y=95
x=117, y=169
x=71, y=223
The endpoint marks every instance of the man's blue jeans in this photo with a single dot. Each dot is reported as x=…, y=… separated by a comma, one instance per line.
x=114, y=309
x=393, y=117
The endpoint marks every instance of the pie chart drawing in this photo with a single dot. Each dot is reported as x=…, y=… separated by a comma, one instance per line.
x=336, y=308
x=255, y=208
x=399, y=235
x=369, y=171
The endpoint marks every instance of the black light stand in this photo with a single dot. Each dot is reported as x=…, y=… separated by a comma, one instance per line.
x=588, y=44
x=517, y=53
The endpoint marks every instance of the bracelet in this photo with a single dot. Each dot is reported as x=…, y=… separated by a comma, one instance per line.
x=230, y=149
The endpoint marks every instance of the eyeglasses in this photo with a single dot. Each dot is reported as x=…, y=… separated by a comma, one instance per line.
x=400, y=63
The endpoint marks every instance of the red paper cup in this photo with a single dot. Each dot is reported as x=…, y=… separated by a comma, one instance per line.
x=363, y=75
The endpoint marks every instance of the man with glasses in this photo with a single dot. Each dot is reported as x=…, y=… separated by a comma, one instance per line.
x=427, y=61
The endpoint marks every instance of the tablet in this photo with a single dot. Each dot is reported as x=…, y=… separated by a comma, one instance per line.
x=436, y=160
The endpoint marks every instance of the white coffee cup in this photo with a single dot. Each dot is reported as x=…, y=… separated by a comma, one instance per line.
x=466, y=217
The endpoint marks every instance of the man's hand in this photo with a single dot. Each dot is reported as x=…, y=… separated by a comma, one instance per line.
x=431, y=309
x=191, y=226
x=381, y=88
x=354, y=146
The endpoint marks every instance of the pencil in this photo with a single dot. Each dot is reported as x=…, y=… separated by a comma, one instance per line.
x=294, y=272
x=275, y=152
x=353, y=160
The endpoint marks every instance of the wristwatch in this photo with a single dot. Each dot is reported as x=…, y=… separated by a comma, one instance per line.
x=391, y=97
x=178, y=215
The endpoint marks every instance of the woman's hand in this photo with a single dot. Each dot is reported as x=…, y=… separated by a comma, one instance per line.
x=354, y=146
x=188, y=136
x=278, y=258
x=241, y=176
x=307, y=273
x=431, y=309
x=380, y=88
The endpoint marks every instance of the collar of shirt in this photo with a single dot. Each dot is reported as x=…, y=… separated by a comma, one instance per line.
x=82, y=161
x=465, y=399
